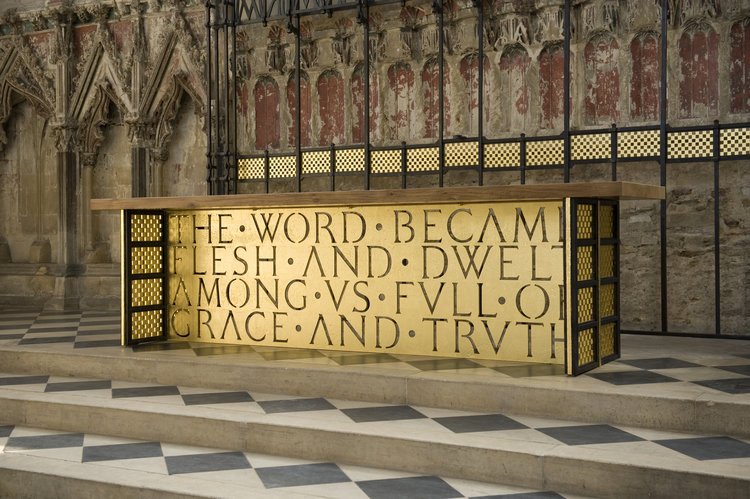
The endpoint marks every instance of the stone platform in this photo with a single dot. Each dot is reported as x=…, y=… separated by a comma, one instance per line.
x=671, y=418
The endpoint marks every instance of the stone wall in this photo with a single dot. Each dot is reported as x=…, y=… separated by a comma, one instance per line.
x=107, y=99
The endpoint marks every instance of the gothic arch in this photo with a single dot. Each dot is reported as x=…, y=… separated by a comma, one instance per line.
x=699, y=65
x=267, y=123
x=739, y=70
x=646, y=77
x=602, y=77
x=330, y=88
x=551, y=88
x=469, y=69
x=431, y=98
x=514, y=83
x=305, y=109
x=358, y=104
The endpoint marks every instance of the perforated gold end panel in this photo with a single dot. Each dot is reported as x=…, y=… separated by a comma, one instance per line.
x=506, y=155
x=545, y=153
x=282, y=167
x=143, y=274
x=595, y=287
x=585, y=221
x=146, y=228
x=423, y=159
x=146, y=292
x=251, y=169
x=734, y=142
x=316, y=162
x=586, y=347
x=590, y=147
x=350, y=160
x=462, y=154
x=147, y=325
x=385, y=161
x=642, y=144
x=690, y=145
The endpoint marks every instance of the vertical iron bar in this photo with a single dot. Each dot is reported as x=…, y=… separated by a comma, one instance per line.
x=613, y=151
x=224, y=181
x=663, y=166
x=522, y=150
x=437, y=7
x=717, y=242
x=365, y=20
x=298, y=131
x=209, y=148
x=217, y=84
x=267, y=170
x=332, y=166
x=232, y=187
x=403, y=165
x=566, y=90
x=480, y=92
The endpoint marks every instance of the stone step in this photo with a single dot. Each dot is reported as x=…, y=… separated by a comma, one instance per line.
x=601, y=460
x=683, y=391
x=49, y=463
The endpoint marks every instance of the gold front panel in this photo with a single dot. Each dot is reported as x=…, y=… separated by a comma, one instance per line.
x=607, y=339
x=145, y=260
x=460, y=280
x=586, y=347
x=146, y=324
x=145, y=228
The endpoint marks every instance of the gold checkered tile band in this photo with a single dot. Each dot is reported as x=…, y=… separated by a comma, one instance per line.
x=545, y=153
x=734, y=142
x=423, y=159
x=585, y=221
x=588, y=147
x=282, y=167
x=607, y=339
x=462, y=154
x=506, y=155
x=316, y=162
x=585, y=305
x=350, y=160
x=145, y=260
x=643, y=144
x=385, y=161
x=250, y=169
x=690, y=145
x=585, y=263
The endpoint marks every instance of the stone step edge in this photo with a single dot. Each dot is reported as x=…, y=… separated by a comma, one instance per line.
x=709, y=415
x=559, y=468
x=24, y=476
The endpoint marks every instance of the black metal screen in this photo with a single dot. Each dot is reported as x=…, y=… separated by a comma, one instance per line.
x=659, y=143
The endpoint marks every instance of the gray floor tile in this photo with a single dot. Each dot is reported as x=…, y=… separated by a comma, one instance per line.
x=731, y=385
x=290, y=354
x=444, y=364
x=524, y=495
x=708, y=448
x=121, y=451
x=99, y=332
x=385, y=413
x=43, y=340
x=198, y=463
x=481, y=422
x=531, y=370
x=146, y=391
x=589, y=434
x=216, y=398
x=13, y=327
x=11, y=336
x=632, y=377
x=23, y=380
x=361, y=359
x=296, y=405
x=58, y=441
x=223, y=350
x=97, y=343
x=302, y=474
x=744, y=370
x=112, y=322
x=5, y=431
x=658, y=363
x=419, y=487
x=70, y=386
x=63, y=329
x=159, y=347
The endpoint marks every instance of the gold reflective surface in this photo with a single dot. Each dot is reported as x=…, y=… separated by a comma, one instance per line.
x=465, y=280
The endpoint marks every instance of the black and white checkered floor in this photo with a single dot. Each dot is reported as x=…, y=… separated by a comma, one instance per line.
x=239, y=470
x=673, y=368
